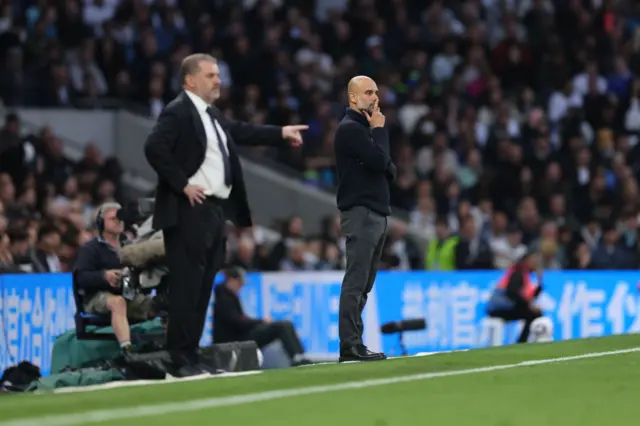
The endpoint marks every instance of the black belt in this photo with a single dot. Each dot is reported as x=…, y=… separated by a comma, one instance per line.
x=215, y=200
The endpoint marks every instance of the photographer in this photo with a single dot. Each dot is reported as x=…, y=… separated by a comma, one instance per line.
x=97, y=273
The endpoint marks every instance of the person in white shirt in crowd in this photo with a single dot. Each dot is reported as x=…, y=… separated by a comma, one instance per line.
x=507, y=251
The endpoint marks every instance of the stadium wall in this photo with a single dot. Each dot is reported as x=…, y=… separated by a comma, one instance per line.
x=34, y=308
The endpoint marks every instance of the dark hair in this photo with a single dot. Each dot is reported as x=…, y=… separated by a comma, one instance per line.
x=442, y=220
x=235, y=272
x=47, y=229
x=17, y=235
x=464, y=220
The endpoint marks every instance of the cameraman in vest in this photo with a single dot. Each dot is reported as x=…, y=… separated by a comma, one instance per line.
x=512, y=299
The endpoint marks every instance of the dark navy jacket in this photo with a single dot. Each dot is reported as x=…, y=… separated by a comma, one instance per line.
x=364, y=167
x=94, y=258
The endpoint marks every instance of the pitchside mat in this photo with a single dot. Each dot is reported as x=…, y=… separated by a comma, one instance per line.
x=589, y=382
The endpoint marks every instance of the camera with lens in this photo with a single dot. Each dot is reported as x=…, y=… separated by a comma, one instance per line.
x=134, y=212
x=145, y=268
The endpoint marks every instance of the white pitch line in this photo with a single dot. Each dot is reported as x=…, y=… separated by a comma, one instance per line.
x=134, y=383
x=97, y=416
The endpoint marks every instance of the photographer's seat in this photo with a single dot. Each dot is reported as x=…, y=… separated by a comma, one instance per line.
x=92, y=326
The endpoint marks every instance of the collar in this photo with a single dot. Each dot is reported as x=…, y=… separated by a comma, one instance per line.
x=200, y=105
x=102, y=240
x=357, y=116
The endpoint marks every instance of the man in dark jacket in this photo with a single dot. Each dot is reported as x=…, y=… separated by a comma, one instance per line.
x=230, y=324
x=472, y=251
x=364, y=172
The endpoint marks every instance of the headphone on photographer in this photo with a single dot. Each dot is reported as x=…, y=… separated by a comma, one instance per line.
x=100, y=214
x=99, y=220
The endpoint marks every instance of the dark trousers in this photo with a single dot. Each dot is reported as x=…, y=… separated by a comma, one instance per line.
x=365, y=233
x=264, y=334
x=517, y=313
x=195, y=250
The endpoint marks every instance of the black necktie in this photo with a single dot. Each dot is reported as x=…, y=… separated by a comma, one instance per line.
x=228, y=178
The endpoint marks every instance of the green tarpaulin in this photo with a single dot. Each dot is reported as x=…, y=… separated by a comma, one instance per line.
x=68, y=351
x=86, y=377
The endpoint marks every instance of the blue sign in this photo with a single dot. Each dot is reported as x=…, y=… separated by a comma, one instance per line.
x=581, y=304
x=35, y=308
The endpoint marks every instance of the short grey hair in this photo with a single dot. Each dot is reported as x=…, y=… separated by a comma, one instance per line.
x=105, y=207
x=191, y=64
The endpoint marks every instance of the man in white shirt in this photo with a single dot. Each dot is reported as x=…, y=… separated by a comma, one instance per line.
x=200, y=185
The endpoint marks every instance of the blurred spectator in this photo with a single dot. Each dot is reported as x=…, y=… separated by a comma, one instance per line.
x=403, y=248
x=472, y=251
x=295, y=258
x=6, y=257
x=441, y=253
x=508, y=248
x=517, y=114
x=45, y=257
x=245, y=254
x=609, y=253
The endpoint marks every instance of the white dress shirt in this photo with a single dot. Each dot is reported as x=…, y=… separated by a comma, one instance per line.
x=210, y=175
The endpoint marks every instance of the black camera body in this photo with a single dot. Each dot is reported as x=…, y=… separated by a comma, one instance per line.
x=144, y=256
x=136, y=211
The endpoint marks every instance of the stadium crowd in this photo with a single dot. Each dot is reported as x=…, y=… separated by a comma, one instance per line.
x=514, y=123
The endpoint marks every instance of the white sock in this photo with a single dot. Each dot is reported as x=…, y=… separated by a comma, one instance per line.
x=125, y=344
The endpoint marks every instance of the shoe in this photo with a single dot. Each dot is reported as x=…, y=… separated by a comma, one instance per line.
x=210, y=369
x=186, y=365
x=188, y=371
x=360, y=353
x=381, y=355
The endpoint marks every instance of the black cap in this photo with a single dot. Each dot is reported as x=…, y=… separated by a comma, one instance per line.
x=236, y=272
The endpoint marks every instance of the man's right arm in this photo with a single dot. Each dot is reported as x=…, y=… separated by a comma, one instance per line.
x=356, y=143
x=86, y=272
x=159, y=148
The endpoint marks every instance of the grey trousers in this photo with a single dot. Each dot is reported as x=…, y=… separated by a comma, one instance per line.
x=365, y=233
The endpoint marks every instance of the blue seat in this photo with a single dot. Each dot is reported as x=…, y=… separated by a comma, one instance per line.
x=92, y=326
